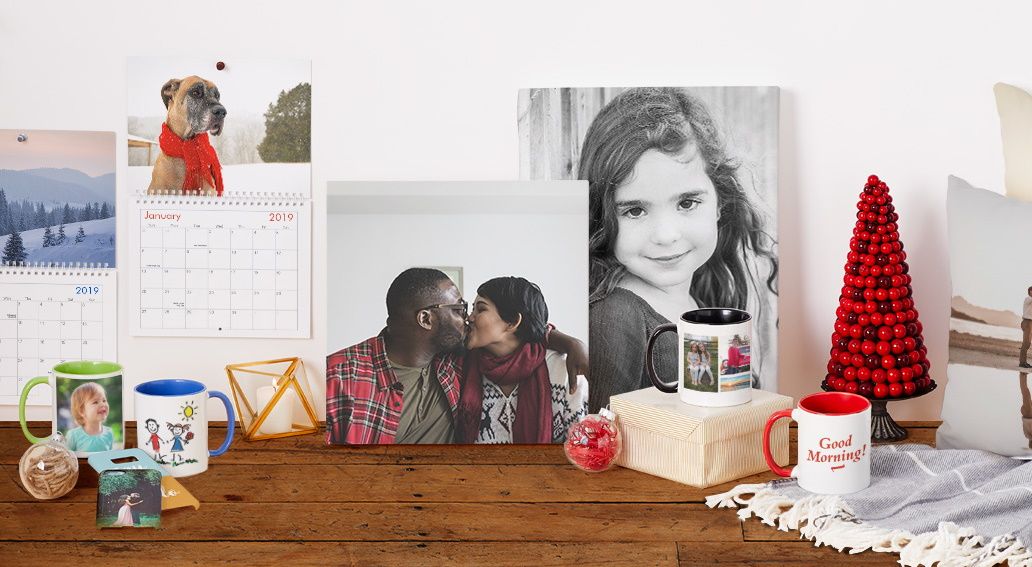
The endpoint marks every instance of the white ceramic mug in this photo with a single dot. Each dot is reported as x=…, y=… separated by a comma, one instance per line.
x=86, y=408
x=834, y=443
x=713, y=353
x=172, y=427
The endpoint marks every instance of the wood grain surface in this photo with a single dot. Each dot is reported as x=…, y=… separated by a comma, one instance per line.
x=296, y=501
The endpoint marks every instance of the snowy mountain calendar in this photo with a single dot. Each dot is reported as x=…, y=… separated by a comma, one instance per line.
x=49, y=315
x=234, y=266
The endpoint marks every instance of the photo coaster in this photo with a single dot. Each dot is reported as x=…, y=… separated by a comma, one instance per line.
x=173, y=494
x=129, y=499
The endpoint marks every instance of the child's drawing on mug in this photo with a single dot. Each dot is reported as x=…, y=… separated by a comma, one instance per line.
x=700, y=363
x=179, y=436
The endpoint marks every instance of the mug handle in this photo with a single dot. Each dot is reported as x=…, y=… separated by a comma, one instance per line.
x=650, y=365
x=777, y=469
x=21, y=407
x=230, y=419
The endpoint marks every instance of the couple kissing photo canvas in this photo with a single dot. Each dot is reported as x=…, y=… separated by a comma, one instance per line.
x=503, y=312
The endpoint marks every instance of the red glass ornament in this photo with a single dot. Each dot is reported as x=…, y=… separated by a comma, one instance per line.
x=594, y=443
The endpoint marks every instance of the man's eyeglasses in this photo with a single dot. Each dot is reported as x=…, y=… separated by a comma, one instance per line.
x=462, y=306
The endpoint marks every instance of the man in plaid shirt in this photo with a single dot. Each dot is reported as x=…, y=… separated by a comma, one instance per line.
x=402, y=386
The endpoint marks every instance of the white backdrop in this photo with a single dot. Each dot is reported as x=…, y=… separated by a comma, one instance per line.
x=427, y=90
x=533, y=229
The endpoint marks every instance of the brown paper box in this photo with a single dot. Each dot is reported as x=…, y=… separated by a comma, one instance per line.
x=668, y=438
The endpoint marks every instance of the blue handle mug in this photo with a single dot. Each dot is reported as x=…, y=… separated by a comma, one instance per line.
x=172, y=427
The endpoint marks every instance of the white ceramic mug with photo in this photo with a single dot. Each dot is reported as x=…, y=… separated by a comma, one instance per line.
x=86, y=408
x=834, y=443
x=172, y=424
x=713, y=353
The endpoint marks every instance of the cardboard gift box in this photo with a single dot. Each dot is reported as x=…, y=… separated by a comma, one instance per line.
x=695, y=445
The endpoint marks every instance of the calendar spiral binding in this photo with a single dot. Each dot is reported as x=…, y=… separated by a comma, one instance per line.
x=258, y=198
x=56, y=268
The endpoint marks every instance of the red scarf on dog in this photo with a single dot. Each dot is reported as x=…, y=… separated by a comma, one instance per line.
x=525, y=367
x=202, y=164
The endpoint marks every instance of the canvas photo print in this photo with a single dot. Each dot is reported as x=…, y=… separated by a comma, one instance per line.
x=129, y=499
x=57, y=197
x=197, y=129
x=987, y=404
x=682, y=213
x=417, y=357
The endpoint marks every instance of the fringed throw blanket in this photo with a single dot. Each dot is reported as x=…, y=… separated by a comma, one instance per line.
x=932, y=507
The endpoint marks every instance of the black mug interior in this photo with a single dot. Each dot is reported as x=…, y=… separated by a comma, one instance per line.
x=716, y=316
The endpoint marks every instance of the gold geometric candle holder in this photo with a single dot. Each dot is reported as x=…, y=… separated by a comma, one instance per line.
x=269, y=395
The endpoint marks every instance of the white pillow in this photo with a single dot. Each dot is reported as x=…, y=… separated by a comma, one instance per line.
x=988, y=404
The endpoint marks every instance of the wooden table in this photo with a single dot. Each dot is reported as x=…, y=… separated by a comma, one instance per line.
x=297, y=501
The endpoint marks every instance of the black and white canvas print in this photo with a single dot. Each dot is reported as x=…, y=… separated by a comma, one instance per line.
x=682, y=212
x=457, y=312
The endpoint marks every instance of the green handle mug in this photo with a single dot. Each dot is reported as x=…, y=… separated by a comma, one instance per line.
x=86, y=406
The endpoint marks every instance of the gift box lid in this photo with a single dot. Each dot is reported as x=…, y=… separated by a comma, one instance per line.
x=665, y=414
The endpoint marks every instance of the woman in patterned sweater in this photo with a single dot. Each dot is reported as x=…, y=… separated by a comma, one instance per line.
x=514, y=390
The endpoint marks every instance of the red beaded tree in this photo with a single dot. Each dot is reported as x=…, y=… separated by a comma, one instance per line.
x=877, y=349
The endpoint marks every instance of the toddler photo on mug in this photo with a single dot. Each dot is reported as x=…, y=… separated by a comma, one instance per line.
x=682, y=202
x=89, y=414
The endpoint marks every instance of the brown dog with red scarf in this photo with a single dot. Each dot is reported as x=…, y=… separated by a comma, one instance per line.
x=188, y=163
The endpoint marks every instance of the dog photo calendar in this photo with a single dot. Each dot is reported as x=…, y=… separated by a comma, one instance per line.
x=50, y=315
x=236, y=266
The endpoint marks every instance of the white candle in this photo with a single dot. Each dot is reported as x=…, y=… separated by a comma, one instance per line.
x=280, y=418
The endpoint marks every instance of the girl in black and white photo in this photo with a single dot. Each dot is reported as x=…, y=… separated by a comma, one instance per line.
x=674, y=226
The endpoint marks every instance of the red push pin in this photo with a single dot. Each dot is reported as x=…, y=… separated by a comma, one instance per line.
x=220, y=65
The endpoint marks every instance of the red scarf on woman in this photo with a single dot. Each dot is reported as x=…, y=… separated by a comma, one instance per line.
x=202, y=164
x=525, y=367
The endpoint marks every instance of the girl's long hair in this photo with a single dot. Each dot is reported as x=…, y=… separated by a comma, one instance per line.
x=668, y=120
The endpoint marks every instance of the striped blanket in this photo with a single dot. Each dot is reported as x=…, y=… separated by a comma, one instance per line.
x=932, y=507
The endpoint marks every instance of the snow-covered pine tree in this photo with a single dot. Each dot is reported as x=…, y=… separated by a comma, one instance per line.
x=80, y=236
x=14, y=251
x=61, y=237
x=41, y=216
x=104, y=211
x=6, y=221
x=48, y=237
x=67, y=216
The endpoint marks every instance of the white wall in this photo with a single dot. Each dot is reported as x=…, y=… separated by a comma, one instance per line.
x=427, y=90
x=536, y=230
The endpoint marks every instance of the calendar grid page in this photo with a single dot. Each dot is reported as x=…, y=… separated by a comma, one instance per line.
x=237, y=266
x=49, y=316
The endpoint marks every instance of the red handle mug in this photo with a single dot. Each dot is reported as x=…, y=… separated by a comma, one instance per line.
x=834, y=443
